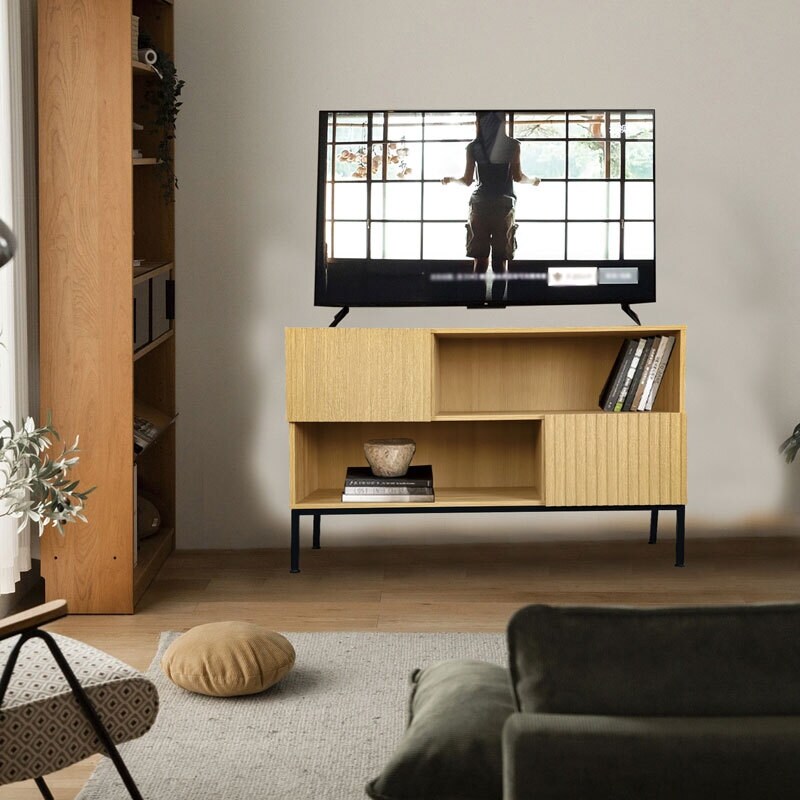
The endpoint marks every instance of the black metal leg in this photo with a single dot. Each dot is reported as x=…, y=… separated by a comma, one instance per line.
x=44, y=789
x=317, y=518
x=653, y=525
x=680, y=534
x=295, y=557
x=83, y=701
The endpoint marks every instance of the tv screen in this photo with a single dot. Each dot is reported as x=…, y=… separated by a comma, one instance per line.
x=485, y=208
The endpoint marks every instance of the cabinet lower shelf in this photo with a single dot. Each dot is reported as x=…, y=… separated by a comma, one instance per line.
x=447, y=497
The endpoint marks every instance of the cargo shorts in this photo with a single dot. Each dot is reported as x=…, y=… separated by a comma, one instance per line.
x=491, y=226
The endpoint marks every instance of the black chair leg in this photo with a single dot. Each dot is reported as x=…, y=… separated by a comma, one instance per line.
x=653, y=526
x=44, y=789
x=83, y=701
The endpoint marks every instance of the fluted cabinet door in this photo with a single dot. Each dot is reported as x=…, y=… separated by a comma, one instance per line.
x=615, y=459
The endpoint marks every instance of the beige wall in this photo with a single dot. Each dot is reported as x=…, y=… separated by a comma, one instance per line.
x=722, y=78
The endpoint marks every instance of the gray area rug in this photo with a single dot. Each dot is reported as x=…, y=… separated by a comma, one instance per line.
x=320, y=734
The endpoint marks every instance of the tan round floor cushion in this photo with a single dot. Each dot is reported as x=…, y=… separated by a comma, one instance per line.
x=224, y=659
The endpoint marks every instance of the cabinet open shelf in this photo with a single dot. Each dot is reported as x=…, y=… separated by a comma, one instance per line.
x=145, y=162
x=445, y=497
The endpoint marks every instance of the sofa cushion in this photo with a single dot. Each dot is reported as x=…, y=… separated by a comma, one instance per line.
x=703, y=661
x=227, y=659
x=452, y=747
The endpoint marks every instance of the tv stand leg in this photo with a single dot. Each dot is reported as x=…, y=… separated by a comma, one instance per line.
x=317, y=519
x=680, y=531
x=295, y=556
x=631, y=313
x=653, y=526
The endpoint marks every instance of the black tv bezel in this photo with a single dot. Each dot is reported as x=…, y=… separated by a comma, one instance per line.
x=543, y=294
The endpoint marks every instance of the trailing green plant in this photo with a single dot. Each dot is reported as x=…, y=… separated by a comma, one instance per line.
x=790, y=447
x=163, y=96
x=32, y=486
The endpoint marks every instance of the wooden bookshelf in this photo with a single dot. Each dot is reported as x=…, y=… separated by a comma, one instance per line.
x=93, y=223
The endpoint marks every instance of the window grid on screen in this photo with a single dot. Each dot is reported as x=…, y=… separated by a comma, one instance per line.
x=592, y=161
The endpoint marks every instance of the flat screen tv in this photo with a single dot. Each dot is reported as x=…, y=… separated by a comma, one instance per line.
x=485, y=208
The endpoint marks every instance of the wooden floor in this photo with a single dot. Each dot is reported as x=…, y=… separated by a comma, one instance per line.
x=464, y=588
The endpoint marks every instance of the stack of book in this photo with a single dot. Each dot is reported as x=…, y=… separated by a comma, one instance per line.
x=361, y=486
x=633, y=382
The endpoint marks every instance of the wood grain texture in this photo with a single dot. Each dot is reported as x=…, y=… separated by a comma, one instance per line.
x=536, y=370
x=615, y=459
x=85, y=256
x=357, y=374
x=90, y=196
x=490, y=392
x=479, y=459
x=33, y=617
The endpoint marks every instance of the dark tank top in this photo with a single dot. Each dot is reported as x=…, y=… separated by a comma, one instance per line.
x=494, y=179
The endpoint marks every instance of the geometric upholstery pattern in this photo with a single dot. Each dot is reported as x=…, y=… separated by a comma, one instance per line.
x=42, y=727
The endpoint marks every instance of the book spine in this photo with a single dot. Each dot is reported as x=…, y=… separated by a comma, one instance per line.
x=387, y=498
x=653, y=372
x=616, y=387
x=612, y=375
x=629, y=377
x=394, y=490
x=660, y=374
x=637, y=376
x=646, y=373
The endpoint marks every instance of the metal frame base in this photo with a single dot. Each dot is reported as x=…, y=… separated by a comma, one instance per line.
x=83, y=701
x=318, y=513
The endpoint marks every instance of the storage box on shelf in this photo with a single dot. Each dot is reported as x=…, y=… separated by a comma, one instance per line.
x=508, y=419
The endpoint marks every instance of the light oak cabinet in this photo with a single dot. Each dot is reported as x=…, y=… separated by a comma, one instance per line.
x=508, y=418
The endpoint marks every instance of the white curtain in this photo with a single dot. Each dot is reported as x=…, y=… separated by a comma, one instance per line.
x=15, y=551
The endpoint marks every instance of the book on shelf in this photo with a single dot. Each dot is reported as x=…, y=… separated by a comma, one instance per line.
x=630, y=372
x=659, y=368
x=614, y=380
x=144, y=434
x=634, y=380
x=393, y=490
x=426, y=497
x=645, y=373
x=420, y=476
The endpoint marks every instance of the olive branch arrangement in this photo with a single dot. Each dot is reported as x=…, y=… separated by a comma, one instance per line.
x=32, y=486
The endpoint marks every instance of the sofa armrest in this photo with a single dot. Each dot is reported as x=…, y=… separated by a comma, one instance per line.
x=567, y=756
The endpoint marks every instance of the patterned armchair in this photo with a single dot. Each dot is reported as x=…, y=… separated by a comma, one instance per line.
x=62, y=701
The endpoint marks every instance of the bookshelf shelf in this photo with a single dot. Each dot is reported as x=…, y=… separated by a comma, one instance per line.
x=153, y=552
x=140, y=68
x=148, y=348
x=150, y=269
x=507, y=418
x=145, y=162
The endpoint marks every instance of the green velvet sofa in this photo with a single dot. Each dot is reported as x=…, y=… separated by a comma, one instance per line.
x=631, y=704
